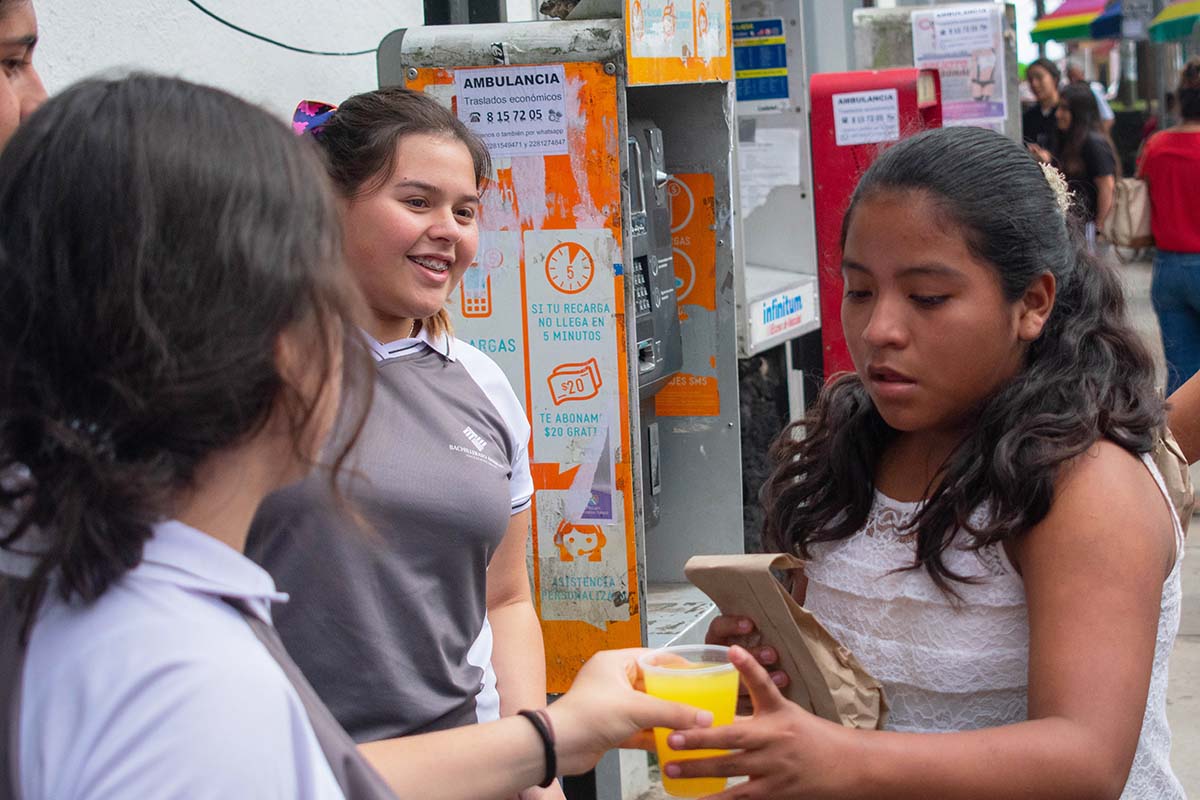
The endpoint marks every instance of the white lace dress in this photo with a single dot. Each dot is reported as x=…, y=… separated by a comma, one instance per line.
x=949, y=667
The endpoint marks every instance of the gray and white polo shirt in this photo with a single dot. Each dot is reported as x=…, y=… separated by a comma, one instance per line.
x=390, y=625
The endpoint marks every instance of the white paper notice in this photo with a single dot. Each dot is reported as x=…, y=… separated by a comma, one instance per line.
x=964, y=29
x=517, y=111
x=966, y=46
x=772, y=159
x=866, y=117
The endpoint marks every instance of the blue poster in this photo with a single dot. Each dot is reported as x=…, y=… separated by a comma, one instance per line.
x=760, y=64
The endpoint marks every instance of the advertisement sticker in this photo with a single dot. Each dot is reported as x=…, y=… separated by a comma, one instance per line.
x=965, y=45
x=760, y=65
x=782, y=312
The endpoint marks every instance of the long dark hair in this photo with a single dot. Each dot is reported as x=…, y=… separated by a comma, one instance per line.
x=158, y=239
x=1086, y=378
x=360, y=140
x=1085, y=120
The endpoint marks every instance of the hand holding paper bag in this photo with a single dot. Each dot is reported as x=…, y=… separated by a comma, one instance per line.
x=824, y=677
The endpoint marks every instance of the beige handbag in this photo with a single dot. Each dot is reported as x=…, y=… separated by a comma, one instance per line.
x=1128, y=221
x=826, y=678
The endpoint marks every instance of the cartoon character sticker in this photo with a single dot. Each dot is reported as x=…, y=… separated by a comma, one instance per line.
x=583, y=542
x=583, y=570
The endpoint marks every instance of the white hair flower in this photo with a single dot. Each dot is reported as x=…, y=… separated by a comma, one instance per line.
x=1058, y=183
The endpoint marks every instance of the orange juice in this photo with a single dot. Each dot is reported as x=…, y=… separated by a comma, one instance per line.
x=683, y=677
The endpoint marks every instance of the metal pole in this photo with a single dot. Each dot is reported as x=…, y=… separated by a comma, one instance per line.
x=1039, y=9
x=1158, y=55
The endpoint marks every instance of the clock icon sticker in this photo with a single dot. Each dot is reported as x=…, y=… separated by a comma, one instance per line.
x=570, y=267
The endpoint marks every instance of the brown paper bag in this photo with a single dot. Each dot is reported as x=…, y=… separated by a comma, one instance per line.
x=1174, y=469
x=826, y=678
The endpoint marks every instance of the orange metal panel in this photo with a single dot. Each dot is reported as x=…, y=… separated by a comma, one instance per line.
x=562, y=207
x=678, y=41
x=694, y=239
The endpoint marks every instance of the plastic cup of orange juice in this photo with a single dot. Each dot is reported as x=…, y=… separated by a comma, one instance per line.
x=701, y=676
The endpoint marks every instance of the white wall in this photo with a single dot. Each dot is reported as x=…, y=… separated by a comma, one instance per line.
x=82, y=37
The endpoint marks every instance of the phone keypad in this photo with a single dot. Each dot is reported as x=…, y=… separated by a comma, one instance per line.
x=641, y=292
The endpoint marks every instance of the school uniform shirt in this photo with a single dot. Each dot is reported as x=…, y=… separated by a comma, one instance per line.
x=388, y=620
x=161, y=689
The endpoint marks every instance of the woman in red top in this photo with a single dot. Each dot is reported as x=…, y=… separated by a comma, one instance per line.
x=1170, y=163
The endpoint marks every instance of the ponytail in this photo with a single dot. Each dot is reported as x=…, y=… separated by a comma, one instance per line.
x=84, y=516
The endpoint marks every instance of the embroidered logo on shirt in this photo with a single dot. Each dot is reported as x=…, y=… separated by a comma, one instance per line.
x=477, y=440
x=481, y=457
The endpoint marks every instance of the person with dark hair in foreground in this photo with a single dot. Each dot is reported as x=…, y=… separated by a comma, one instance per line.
x=176, y=331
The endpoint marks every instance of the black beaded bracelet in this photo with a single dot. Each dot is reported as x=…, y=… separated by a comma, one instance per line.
x=542, y=724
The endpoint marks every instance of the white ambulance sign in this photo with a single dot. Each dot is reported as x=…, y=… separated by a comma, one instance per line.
x=517, y=111
x=866, y=117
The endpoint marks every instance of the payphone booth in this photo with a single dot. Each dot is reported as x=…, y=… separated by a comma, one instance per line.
x=854, y=116
x=603, y=289
x=779, y=319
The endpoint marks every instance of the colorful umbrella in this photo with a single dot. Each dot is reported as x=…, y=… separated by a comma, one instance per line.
x=1108, y=24
x=1176, y=21
x=1071, y=20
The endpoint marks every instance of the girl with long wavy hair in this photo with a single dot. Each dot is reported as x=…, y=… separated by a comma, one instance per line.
x=985, y=528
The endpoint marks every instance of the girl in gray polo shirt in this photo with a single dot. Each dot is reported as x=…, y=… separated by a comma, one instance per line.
x=394, y=626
